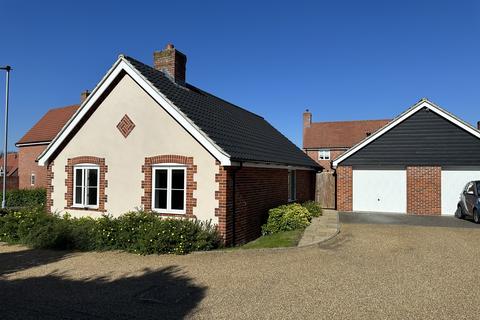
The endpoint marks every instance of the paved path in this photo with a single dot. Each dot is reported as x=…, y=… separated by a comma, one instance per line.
x=404, y=219
x=322, y=228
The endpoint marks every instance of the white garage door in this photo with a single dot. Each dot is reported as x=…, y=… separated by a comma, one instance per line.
x=453, y=182
x=380, y=190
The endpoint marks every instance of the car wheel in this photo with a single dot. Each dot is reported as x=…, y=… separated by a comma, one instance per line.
x=459, y=213
x=476, y=216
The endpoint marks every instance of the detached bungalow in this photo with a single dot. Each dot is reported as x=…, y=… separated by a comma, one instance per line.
x=146, y=139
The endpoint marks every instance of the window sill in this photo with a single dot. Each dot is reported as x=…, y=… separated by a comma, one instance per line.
x=84, y=208
x=173, y=214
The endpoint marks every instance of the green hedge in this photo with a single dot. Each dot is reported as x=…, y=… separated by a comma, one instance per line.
x=291, y=217
x=137, y=232
x=313, y=207
x=25, y=198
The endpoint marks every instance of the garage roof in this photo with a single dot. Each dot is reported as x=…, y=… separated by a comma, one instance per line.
x=436, y=136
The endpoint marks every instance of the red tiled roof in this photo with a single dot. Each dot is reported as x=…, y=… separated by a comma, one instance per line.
x=49, y=125
x=340, y=134
x=12, y=163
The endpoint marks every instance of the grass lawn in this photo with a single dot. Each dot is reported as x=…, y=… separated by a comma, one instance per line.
x=277, y=240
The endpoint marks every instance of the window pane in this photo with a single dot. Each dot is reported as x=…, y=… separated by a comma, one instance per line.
x=178, y=180
x=177, y=199
x=78, y=195
x=160, y=178
x=92, y=196
x=78, y=177
x=160, y=201
x=92, y=176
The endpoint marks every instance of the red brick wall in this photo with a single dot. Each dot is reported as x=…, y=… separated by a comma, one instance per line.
x=344, y=188
x=256, y=191
x=305, y=185
x=424, y=190
x=27, y=165
x=326, y=164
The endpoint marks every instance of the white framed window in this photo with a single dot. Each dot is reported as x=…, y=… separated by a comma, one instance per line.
x=324, y=154
x=169, y=189
x=86, y=181
x=292, y=185
x=32, y=179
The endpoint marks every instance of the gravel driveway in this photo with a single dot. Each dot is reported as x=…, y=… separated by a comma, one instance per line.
x=366, y=272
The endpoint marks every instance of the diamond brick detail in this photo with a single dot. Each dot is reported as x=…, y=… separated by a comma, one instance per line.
x=125, y=126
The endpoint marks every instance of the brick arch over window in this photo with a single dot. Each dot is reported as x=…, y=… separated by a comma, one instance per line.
x=191, y=183
x=102, y=197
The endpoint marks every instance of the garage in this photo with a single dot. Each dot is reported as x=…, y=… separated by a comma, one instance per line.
x=380, y=190
x=434, y=154
x=453, y=181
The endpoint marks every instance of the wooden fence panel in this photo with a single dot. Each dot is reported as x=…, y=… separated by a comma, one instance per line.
x=325, y=190
x=12, y=183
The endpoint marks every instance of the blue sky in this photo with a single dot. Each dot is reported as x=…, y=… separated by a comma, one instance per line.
x=343, y=60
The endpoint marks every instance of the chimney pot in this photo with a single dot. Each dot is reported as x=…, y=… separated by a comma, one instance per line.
x=84, y=95
x=478, y=125
x=171, y=62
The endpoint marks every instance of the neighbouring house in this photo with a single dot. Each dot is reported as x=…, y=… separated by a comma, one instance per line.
x=146, y=139
x=12, y=171
x=325, y=141
x=418, y=163
x=36, y=140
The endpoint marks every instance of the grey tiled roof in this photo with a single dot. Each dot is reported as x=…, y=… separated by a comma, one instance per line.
x=244, y=135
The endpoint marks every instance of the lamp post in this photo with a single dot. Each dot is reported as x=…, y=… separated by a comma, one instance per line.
x=8, y=69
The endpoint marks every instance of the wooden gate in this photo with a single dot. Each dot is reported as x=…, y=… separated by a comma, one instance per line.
x=325, y=190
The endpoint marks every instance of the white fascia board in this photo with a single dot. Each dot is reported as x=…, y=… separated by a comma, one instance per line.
x=424, y=103
x=123, y=65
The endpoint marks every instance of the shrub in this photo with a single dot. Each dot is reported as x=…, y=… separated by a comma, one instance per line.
x=286, y=218
x=50, y=233
x=138, y=232
x=25, y=198
x=313, y=207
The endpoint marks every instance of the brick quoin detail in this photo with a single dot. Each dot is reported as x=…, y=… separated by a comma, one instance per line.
x=102, y=197
x=424, y=190
x=344, y=188
x=221, y=195
x=191, y=183
x=49, y=203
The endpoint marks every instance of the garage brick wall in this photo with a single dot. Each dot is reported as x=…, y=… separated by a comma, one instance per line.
x=424, y=185
x=344, y=188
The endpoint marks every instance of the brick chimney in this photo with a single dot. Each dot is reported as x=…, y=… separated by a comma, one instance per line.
x=307, y=119
x=171, y=62
x=84, y=95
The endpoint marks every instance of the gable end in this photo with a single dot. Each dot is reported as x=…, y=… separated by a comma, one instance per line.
x=425, y=138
